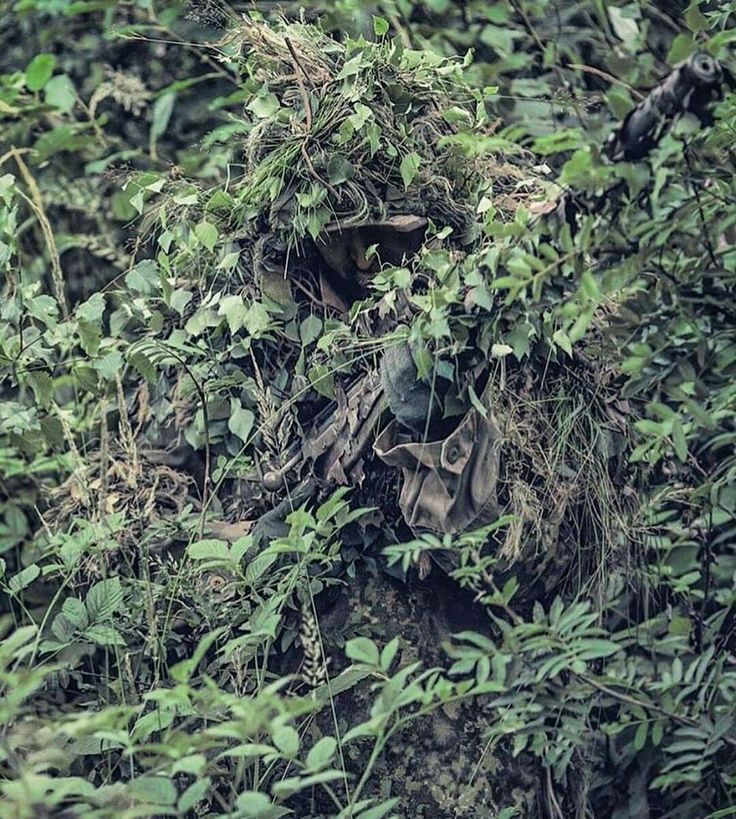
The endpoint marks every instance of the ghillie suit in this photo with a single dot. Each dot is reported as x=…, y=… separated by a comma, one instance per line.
x=375, y=334
x=360, y=179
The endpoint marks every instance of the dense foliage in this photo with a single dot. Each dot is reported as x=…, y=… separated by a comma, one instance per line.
x=210, y=609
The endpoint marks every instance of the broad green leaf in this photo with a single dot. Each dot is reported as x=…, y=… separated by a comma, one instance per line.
x=104, y=635
x=209, y=549
x=380, y=26
x=321, y=754
x=363, y=650
x=207, y=234
x=159, y=790
x=286, y=739
x=39, y=71
x=104, y=599
x=194, y=794
x=24, y=578
x=235, y=311
x=241, y=422
x=695, y=19
x=75, y=612
x=60, y=93
x=409, y=168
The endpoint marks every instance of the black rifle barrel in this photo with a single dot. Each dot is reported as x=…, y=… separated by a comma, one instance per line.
x=691, y=88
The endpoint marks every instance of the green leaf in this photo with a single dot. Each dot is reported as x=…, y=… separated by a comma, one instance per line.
x=24, y=578
x=619, y=101
x=640, y=738
x=104, y=599
x=380, y=26
x=75, y=612
x=310, y=329
x=388, y=653
x=286, y=739
x=409, y=168
x=379, y=811
x=207, y=234
x=194, y=794
x=678, y=440
x=39, y=71
x=179, y=300
x=159, y=790
x=209, y=549
x=562, y=340
x=321, y=754
x=235, y=311
x=657, y=732
x=144, y=278
x=182, y=672
x=257, y=321
x=363, y=650
x=560, y=141
x=352, y=67
x=682, y=47
x=253, y=804
x=264, y=105
x=60, y=93
x=103, y=635
x=240, y=423
x=162, y=110
x=92, y=310
x=339, y=169
x=695, y=19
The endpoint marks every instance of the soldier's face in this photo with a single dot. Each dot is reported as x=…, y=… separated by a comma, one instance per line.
x=347, y=252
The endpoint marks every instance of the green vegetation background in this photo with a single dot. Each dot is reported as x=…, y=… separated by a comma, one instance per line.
x=146, y=667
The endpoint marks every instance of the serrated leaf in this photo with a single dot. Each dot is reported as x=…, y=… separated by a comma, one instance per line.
x=75, y=612
x=103, y=635
x=104, y=599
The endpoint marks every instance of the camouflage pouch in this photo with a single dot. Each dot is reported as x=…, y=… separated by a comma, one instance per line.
x=449, y=485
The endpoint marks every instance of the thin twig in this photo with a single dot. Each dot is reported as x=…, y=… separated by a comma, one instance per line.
x=589, y=69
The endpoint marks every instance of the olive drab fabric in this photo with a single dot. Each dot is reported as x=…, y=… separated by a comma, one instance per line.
x=449, y=485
